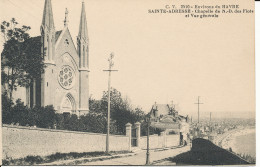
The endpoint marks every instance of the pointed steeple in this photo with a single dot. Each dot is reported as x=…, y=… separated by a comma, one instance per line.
x=83, y=32
x=82, y=39
x=47, y=19
x=83, y=53
x=48, y=33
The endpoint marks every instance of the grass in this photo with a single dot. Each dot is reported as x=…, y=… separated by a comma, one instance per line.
x=34, y=160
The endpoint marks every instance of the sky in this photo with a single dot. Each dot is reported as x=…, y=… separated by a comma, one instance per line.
x=159, y=57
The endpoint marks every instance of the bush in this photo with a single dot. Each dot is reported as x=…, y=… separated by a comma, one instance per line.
x=95, y=121
x=33, y=159
x=18, y=113
x=6, y=106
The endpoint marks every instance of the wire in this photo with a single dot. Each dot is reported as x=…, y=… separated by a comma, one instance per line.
x=34, y=5
x=22, y=9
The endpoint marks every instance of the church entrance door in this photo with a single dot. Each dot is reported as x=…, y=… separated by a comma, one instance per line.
x=68, y=104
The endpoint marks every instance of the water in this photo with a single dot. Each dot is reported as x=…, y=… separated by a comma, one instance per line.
x=246, y=144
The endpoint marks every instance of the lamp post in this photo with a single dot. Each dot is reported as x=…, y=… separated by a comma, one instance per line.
x=148, y=133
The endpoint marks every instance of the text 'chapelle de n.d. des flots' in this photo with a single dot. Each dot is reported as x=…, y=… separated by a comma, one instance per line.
x=201, y=9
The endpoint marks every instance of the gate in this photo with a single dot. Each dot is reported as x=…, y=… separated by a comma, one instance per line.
x=134, y=137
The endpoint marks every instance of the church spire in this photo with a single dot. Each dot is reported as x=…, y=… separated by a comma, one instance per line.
x=83, y=32
x=47, y=19
x=82, y=39
x=48, y=33
x=83, y=53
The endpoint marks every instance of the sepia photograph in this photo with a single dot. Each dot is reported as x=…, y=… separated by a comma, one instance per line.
x=127, y=82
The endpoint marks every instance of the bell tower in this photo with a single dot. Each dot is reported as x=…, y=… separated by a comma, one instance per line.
x=83, y=52
x=48, y=51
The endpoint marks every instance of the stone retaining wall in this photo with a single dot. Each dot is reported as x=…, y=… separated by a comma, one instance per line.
x=21, y=141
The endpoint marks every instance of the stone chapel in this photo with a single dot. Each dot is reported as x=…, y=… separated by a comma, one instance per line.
x=65, y=82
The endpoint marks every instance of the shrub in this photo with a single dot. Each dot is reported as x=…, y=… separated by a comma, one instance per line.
x=33, y=159
x=95, y=121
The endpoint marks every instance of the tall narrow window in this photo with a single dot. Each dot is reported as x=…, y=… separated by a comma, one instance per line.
x=79, y=52
x=84, y=63
x=87, y=57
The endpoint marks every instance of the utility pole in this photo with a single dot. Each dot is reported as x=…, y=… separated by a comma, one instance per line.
x=198, y=108
x=210, y=117
x=111, y=64
x=148, y=120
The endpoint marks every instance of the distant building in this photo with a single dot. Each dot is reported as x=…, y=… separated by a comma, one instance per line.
x=165, y=112
x=165, y=117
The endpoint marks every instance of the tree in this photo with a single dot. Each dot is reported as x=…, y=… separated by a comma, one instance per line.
x=122, y=111
x=98, y=107
x=93, y=123
x=6, y=105
x=22, y=61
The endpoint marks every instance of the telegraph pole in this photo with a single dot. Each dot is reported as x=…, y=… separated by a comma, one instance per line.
x=148, y=120
x=198, y=108
x=111, y=64
x=210, y=117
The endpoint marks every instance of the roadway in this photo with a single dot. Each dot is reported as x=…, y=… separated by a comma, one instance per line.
x=140, y=157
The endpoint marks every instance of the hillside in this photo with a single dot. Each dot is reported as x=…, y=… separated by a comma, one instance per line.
x=204, y=152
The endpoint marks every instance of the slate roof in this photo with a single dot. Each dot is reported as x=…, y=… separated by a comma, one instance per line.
x=163, y=109
x=33, y=43
x=37, y=39
x=57, y=34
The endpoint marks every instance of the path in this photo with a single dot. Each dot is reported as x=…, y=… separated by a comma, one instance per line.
x=140, y=157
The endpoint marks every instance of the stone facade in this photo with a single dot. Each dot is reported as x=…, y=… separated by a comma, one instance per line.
x=65, y=82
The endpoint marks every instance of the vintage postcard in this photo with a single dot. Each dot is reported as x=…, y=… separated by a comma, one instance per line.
x=128, y=82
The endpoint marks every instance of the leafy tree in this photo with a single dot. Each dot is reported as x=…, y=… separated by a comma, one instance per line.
x=6, y=105
x=99, y=107
x=94, y=123
x=22, y=61
x=121, y=111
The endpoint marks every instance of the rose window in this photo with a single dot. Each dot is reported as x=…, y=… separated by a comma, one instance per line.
x=66, y=77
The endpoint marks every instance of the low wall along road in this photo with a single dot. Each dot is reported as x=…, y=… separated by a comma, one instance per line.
x=19, y=141
x=161, y=141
